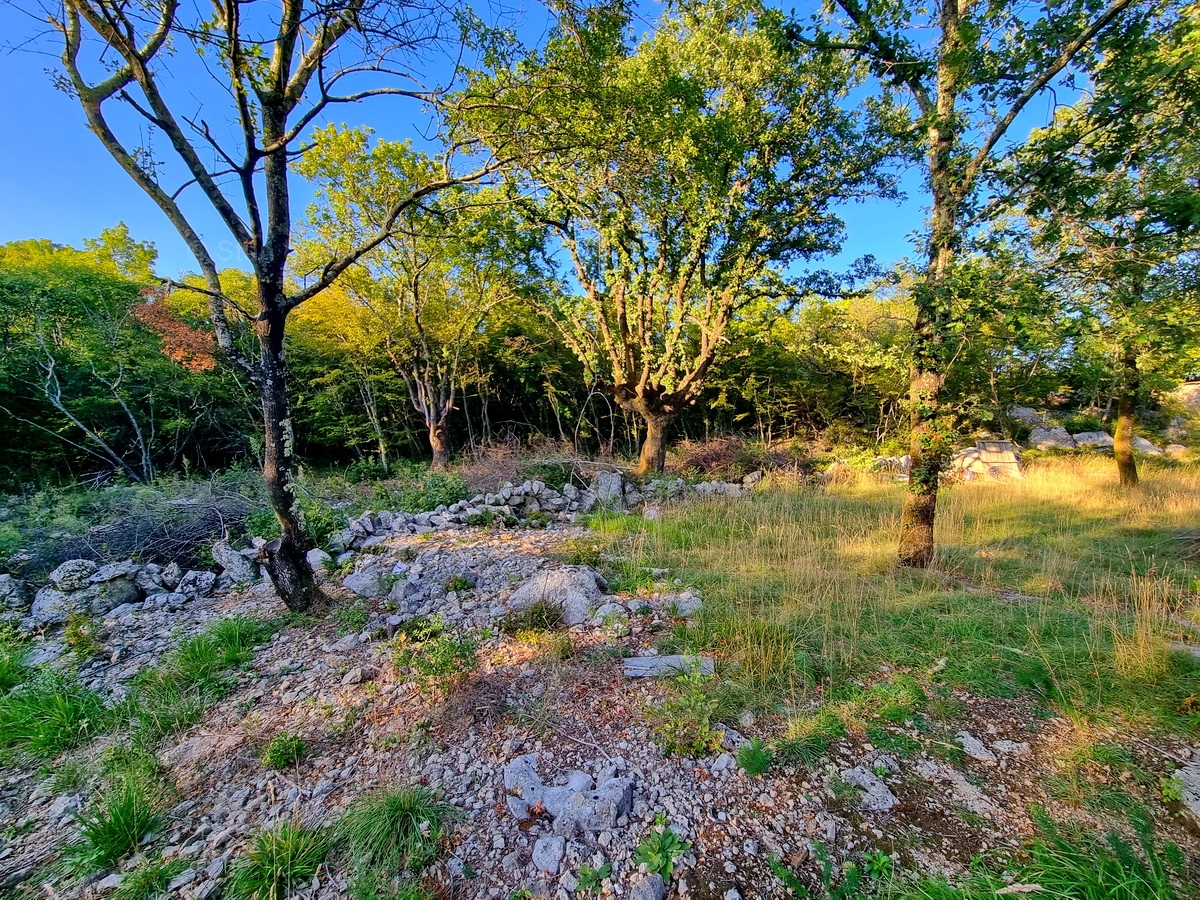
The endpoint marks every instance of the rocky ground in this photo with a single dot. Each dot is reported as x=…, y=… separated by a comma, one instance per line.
x=547, y=746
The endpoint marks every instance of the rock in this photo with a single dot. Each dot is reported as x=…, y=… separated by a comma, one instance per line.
x=686, y=604
x=317, y=558
x=1175, y=451
x=108, y=596
x=52, y=606
x=1012, y=748
x=14, y=593
x=365, y=584
x=608, y=613
x=1189, y=780
x=658, y=666
x=235, y=566
x=975, y=748
x=732, y=739
x=575, y=806
x=1093, y=439
x=650, y=887
x=609, y=489
x=1026, y=415
x=359, y=674
x=548, y=853
x=171, y=575
x=44, y=654
x=149, y=579
x=1144, y=446
x=751, y=479
x=125, y=569
x=876, y=795
x=73, y=575
x=109, y=882
x=1045, y=437
x=196, y=583
x=575, y=590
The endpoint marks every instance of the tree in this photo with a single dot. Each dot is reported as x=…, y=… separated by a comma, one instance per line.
x=280, y=73
x=1112, y=194
x=984, y=65
x=680, y=174
x=429, y=288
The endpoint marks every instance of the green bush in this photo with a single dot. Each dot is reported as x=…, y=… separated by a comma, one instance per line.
x=425, y=493
x=49, y=714
x=277, y=862
x=438, y=656
x=683, y=722
x=282, y=751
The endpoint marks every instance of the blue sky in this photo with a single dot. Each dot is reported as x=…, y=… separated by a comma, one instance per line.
x=57, y=182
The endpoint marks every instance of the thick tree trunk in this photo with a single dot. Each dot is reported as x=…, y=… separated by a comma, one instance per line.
x=653, y=456
x=439, y=443
x=285, y=558
x=1126, y=414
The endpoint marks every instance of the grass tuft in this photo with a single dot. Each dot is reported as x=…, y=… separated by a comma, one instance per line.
x=282, y=751
x=49, y=714
x=394, y=831
x=117, y=822
x=276, y=862
x=149, y=879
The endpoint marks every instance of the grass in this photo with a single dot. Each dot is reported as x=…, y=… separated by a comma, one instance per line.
x=1061, y=586
x=276, y=862
x=282, y=751
x=149, y=879
x=393, y=831
x=13, y=670
x=115, y=824
x=48, y=714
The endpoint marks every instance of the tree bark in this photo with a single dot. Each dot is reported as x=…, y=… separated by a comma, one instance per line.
x=285, y=558
x=653, y=457
x=440, y=444
x=1126, y=415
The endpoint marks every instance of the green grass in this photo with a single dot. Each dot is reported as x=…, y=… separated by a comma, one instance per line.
x=282, y=751
x=149, y=879
x=754, y=758
x=113, y=826
x=276, y=862
x=394, y=831
x=49, y=714
x=12, y=651
x=1059, y=587
x=542, y=616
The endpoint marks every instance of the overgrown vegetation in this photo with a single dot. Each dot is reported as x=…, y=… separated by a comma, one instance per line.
x=49, y=713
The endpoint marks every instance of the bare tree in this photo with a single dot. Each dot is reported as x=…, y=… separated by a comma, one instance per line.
x=281, y=72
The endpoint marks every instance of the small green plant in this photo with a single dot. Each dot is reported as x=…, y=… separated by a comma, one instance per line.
x=393, y=831
x=755, y=758
x=116, y=824
x=51, y=713
x=68, y=778
x=787, y=876
x=13, y=670
x=437, y=656
x=481, y=519
x=82, y=636
x=593, y=879
x=277, y=862
x=683, y=722
x=282, y=751
x=149, y=879
x=542, y=616
x=459, y=583
x=878, y=865
x=538, y=520
x=1172, y=789
x=521, y=894
x=351, y=618
x=660, y=848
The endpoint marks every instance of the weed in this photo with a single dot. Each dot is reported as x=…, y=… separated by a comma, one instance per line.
x=481, y=519
x=754, y=758
x=460, y=584
x=113, y=828
x=277, y=861
x=13, y=670
x=369, y=884
x=542, y=616
x=660, y=848
x=787, y=876
x=538, y=520
x=684, y=722
x=148, y=879
x=282, y=751
x=581, y=552
x=437, y=656
x=1172, y=789
x=68, y=778
x=50, y=713
x=591, y=879
x=809, y=736
x=82, y=636
x=351, y=618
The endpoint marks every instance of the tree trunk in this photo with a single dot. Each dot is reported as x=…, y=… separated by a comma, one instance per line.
x=654, y=448
x=284, y=557
x=440, y=444
x=927, y=445
x=1126, y=412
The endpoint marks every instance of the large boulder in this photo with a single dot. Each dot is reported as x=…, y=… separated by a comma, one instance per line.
x=235, y=567
x=108, y=595
x=609, y=488
x=1046, y=437
x=1026, y=415
x=1093, y=439
x=196, y=583
x=14, y=594
x=73, y=575
x=52, y=606
x=1144, y=446
x=365, y=584
x=574, y=590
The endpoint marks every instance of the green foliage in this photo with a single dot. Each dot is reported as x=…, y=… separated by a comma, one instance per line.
x=114, y=825
x=393, y=831
x=351, y=618
x=548, y=471
x=542, y=616
x=323, y=521
x=459, y=583
x=282, y=751
x=13, y=670
x=808, y=737
x=82, y=635
x=660, y=848
x=755, y=758
x=481, y=519
x=427, y=649
x=590, y=879
x=50, y=713
x=149, y=879
x=684, y=722
x=425, y=493
x=277, y=862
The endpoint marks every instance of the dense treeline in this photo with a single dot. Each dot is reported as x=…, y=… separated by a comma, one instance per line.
x=613, y=238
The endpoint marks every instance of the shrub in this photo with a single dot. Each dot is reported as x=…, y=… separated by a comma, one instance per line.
x=282, y=751
x=660, y=848
x=542, y=616
x=393, y=831
x=277, y=862
x=439, y=656
x=51, y=713
x=124, y=816
x=684, y=722
x=754, y=758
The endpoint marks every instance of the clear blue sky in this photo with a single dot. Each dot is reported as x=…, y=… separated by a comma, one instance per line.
x=57, y=182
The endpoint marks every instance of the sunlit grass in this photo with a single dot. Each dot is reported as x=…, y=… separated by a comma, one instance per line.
x=1061, y=584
